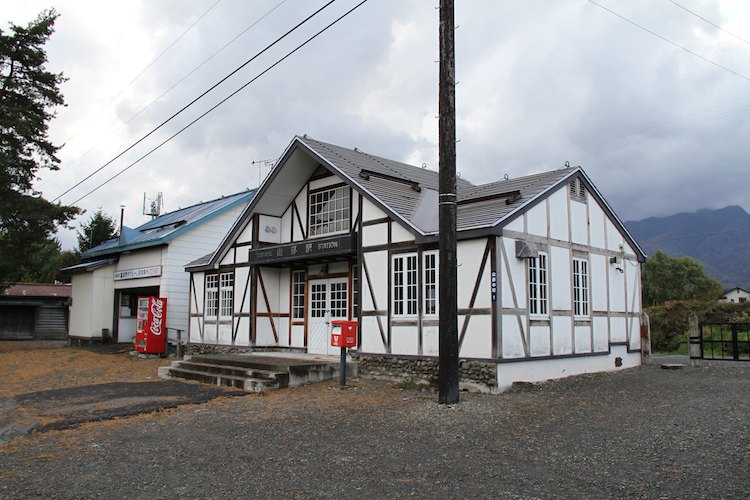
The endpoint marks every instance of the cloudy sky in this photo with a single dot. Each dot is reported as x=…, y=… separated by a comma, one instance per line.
x=654, y=104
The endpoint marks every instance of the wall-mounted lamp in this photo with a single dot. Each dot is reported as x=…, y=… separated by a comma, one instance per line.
x=616, y=262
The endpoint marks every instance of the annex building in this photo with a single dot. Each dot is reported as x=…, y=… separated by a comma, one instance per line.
x=549, y=280
x=146, y=261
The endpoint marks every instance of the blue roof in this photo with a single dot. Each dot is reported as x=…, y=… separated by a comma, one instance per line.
x=168, y=226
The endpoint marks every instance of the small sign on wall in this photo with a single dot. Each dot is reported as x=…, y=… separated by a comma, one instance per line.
x=493, y=285
x=141, y=272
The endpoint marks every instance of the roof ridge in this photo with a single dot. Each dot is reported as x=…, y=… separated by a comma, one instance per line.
x=248, y=190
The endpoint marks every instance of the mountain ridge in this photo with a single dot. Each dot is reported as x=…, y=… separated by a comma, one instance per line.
x=717, y=238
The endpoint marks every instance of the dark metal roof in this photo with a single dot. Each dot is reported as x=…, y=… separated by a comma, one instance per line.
x=38, y=290
x=168, y=226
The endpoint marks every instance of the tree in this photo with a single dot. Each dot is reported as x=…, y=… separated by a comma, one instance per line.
x=668, y=278
x=28, y=95
x=100, y=228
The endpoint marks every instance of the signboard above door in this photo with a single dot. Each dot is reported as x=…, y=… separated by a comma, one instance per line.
x=141, y=272
x=317, y=248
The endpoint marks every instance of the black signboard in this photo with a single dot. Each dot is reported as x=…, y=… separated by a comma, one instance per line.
x=303, y=250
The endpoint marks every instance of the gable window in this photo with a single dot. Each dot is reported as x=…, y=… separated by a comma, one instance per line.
x=577, y=190
x=298, y=295
x=405, y=285
x=430, y=275
x=329, y=211
x=538, y=285
x=212, y=295
x=580, y=287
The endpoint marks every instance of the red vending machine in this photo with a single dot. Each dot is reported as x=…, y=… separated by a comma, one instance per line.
x=151, y=325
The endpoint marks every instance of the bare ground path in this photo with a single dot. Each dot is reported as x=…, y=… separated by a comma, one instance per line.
x=640, y=433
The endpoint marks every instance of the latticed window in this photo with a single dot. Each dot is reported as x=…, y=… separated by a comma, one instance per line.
x=212, y=295
x=298, y=294
x=405, y=285
x=580, y=287
x=226, y=294
x=538, y=284
x=430, y=275
x=329, y=211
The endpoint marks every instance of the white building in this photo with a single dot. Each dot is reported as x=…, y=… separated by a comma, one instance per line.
x=146, y=261
x=736, y=295
x=549, y=280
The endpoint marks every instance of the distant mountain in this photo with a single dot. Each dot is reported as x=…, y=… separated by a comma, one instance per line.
x=719, y=239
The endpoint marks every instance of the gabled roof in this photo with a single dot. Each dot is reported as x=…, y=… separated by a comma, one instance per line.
x=166, y=227
x=407, y=193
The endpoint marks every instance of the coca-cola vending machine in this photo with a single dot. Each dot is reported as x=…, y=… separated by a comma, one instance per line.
x=151, y=325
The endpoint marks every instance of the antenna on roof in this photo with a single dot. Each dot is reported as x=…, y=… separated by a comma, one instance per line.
x=267, y=163
x=154, y=205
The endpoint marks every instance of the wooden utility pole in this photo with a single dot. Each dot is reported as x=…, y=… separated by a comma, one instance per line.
x=448, y=370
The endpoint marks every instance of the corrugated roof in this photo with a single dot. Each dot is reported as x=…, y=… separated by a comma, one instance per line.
x=168, y=226
x=38, y=290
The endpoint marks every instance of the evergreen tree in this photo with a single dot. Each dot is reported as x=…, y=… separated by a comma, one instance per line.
x=100, y=228
x=28, y=94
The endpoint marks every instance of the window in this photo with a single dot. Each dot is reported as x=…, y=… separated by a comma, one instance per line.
x=580, y=287
x=329, y=211
x=538, y=285
x=212, y=295
x=430, y=276
x=405, y=285
x=298, y=294
x=226, y=295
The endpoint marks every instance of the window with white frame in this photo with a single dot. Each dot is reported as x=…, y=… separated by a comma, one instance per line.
x=538, y=285
x=226, y=295
x=329, y=211
x=405, y=285
x=580, y=287
x=212, y=296
x=298, y=294
x=430, y=277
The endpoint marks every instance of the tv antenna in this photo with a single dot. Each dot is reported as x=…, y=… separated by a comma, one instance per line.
x=263, y=163
x=154, y=205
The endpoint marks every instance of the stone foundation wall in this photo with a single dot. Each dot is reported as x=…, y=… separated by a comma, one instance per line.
x=474, y=372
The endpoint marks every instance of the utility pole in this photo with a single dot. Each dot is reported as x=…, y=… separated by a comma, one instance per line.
x=448, y=369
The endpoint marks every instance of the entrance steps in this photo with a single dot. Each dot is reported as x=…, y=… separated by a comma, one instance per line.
x=256, y=372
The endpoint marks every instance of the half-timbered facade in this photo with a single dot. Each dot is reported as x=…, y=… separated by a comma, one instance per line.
x=548, y=278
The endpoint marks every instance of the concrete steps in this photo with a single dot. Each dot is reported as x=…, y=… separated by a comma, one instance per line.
x=254, y=373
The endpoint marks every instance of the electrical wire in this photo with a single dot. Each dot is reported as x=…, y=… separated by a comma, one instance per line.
x=205, y=61
x=709, y=22
x=146, y=68
x=258, y=54
x=212, y=108
x=735, y=73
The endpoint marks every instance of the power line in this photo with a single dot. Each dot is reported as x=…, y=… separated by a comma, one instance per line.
x=670, y=41
x=709, y=22
x=147, y=67
x=279, y=61
x=265, y=49
x=68, y=164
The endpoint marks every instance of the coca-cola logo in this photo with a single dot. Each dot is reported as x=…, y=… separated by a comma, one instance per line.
x=157, y=313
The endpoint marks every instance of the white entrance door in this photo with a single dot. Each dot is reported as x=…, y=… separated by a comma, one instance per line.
x=328, y=301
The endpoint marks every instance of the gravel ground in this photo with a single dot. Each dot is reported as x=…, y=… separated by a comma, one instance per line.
x=644, y=433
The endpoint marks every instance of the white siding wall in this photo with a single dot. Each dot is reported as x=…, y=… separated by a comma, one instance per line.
x=92, y=307
x=187, y=247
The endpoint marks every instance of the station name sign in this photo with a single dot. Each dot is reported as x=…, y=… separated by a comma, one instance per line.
x=141, y=272
x=303, y=250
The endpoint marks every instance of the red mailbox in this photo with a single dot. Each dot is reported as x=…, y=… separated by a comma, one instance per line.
x=346, y=336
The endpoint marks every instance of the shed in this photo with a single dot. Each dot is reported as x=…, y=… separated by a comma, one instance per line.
x=34, y=311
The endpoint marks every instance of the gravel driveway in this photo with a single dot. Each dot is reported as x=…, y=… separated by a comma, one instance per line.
x=644, y=432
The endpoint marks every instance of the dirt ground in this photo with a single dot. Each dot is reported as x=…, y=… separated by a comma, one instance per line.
x=30, y=366
x=638, y=433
